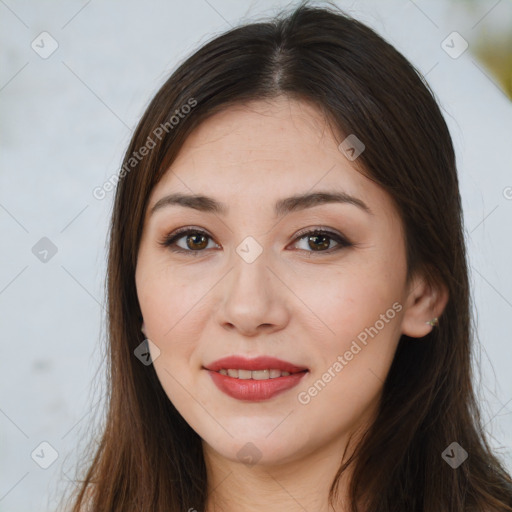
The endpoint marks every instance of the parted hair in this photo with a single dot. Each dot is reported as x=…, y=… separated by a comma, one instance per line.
x=147, y=458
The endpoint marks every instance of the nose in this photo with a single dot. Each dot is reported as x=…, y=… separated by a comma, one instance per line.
x=255, y=298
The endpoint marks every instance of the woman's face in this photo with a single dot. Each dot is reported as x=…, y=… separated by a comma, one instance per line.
x=252, y=283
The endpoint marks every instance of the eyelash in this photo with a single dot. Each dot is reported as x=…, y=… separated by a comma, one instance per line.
x=170, y=240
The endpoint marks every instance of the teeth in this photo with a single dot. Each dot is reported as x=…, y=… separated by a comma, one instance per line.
x=244, y=374
x=260, y=374
x=254, y=374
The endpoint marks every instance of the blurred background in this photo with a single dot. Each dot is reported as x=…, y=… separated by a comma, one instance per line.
x=75, y=77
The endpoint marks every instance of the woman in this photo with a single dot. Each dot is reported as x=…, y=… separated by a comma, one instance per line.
x=287, y=234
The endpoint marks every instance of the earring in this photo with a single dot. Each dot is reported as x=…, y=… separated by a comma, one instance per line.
x=432, y=322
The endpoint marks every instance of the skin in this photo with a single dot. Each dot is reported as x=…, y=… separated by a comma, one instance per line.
x=298, y=301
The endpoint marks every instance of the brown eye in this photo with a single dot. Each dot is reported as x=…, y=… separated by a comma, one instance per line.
x=196, y=240
x=319, y=241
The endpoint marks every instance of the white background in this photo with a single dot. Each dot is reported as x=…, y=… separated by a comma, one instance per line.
x=66, y=121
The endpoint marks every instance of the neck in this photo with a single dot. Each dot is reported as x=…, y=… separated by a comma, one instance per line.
x=301, y=484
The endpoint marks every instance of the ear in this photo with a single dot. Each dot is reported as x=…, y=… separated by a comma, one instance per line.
x=425, y=301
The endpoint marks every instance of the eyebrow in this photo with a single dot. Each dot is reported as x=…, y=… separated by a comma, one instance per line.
x=282, y=207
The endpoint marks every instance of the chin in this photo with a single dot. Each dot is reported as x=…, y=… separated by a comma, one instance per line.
x=256, y=448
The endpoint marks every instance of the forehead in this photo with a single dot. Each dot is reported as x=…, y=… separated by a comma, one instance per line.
x=283, y=131
x=264, y=150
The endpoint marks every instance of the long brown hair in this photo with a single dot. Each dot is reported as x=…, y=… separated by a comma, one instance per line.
x=148, y=458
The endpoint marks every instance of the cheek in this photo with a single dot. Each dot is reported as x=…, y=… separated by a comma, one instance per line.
x=165, y=302
x=170, y=308
x=352, y=365
x=357, y=337
x=168, y=298
x=342, y=303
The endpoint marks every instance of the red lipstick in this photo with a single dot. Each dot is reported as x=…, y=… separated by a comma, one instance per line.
x=251, y=389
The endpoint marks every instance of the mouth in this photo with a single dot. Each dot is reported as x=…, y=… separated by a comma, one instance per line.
x=273, y=373
x=258, y=364
x=254, y=379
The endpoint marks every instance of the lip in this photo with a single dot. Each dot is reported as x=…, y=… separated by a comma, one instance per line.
x=254, y=390
x=258, y=363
